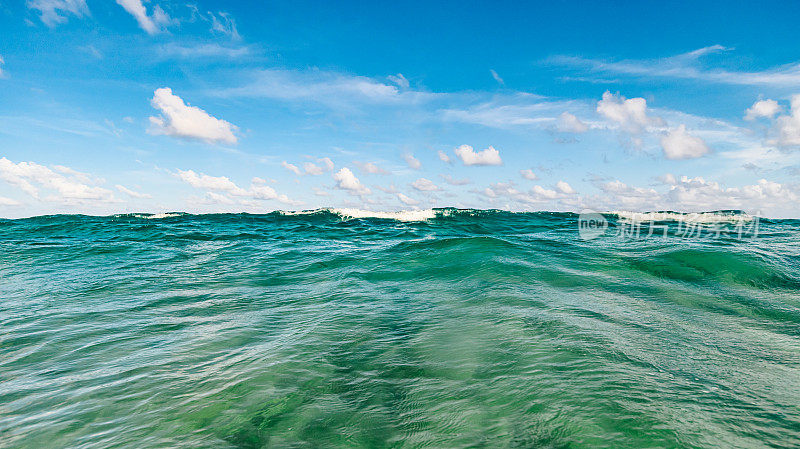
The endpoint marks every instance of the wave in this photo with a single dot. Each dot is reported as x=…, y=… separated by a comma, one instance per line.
x=421, y=215
x=353, y=213
x=723, y=216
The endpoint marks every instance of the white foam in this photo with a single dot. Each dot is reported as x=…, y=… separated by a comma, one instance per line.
x=161, y=215
x=696, y=217
x=401, y=215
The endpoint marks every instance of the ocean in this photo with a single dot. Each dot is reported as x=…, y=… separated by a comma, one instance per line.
x=436, y=328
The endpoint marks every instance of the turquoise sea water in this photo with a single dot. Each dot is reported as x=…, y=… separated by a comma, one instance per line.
x=468, y=329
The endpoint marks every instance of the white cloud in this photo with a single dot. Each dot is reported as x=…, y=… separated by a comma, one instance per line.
x=200, y=51
x=400, y=80
x=321, y=166
x=327, y=163
x=528, y=174
x=2, y=62
x=371, y=168
x=686, y=66
x=346, y=180
x=257, y=190
x=699, y=194
x=64, y=185
x=679, y=144
x=223, y=23
x=568, y=123
x=425, y=185
x=621, y=195
x=536, y=196
x=565, y=188
x=687, y=194
x=328, y=88
x=53, y=12
x=630, y=114
x=444, y=157
x=8, y=201
x=497, y=77
x=132, y=193
x=455, y=182
x=668, y=179
x=763, y=108
x=203, y=181
x=412, y=162
x=787, y=127
x=469, y=156
x=151, y=24
x=312, y=169
x=540, y=193
x=505, y=112
x=406, y=200
x=178, y=119
x=390, y=189
x=291, y=167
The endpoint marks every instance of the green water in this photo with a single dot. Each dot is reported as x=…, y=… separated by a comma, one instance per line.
x=473, y=329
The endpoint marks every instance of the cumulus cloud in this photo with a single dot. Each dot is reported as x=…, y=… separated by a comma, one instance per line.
x=2, y=62
x=132, y=193
x=679, y=144
x=533, y=197
x=528, y=174
x=204, y=181
x=763, y=108
x=568, y=123
x=627, y=197
x=469, y=156
x=178, y=119
x=62, y=184
x=153, y=23
x=787, y=127
x=629, y=114
x=53, y=12
x=687, y=194
x=291, y=167
x=322, y=165
x=312, y=169
x=699, y=194
x=219, y=186
x=406, y=200
x=565, y=188
x=346, y=180
x=412, y=162
x=424, y=185
x=444, y=157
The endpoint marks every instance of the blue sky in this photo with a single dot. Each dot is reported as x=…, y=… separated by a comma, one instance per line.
x=131, y=106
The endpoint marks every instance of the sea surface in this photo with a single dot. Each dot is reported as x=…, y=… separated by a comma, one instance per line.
x=436, y=329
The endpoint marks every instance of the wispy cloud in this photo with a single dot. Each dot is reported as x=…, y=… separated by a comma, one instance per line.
x=150, y=23
x=684, y=66
x=329, y=88
x=497, y=77
x=203, y=51
x=53, y=12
